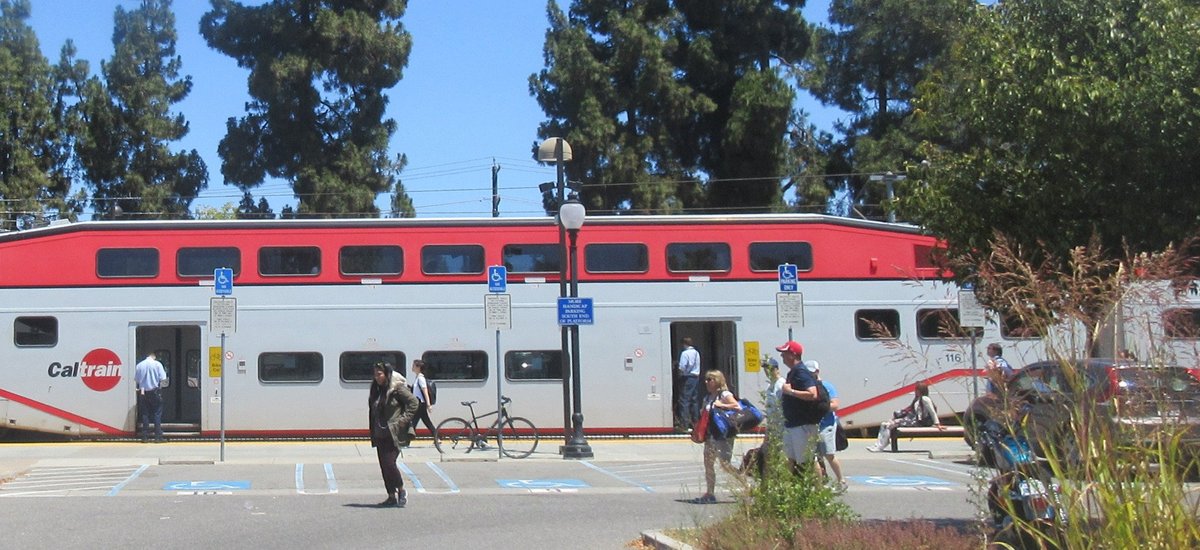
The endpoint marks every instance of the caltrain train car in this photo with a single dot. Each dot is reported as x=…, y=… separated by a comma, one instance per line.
x=319, y=301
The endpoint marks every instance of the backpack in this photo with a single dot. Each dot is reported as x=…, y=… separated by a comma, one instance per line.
x=814, y=411
x=432, y=391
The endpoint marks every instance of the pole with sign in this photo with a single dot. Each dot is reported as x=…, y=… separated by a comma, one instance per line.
x=789, y=303
x=497, y=314
x=971, y=316
x=222, y=317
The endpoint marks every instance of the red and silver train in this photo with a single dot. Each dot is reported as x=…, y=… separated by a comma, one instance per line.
x=319, y=301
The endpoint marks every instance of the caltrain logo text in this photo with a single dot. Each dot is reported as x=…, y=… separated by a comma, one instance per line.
x=100, y=369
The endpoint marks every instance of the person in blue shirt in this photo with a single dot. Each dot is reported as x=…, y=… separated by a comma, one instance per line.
x=999, y=372
x=150, y=377
x=799, y=393
x=689, y=399
x=827, y=438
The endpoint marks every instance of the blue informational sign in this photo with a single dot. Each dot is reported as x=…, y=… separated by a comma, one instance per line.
x=787, y=278
x=223, y=281
x=497, y=278
x=575, y=311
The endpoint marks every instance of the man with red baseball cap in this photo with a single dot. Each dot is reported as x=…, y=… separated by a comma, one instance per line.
x=800, y=411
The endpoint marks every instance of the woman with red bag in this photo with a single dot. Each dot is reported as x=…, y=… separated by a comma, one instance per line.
x=716, y=444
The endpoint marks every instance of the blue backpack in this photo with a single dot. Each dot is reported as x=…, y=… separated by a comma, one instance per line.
x=748, y=418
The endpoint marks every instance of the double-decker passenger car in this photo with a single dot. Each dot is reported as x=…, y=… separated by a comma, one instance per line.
x=320, y=301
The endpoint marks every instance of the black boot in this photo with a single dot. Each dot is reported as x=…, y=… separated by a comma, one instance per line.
x=391, y=500
x=402, y=498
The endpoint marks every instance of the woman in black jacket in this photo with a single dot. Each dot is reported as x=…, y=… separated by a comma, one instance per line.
x=391, y=409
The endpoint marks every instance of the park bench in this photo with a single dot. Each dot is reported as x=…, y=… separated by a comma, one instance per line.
x=923, y=431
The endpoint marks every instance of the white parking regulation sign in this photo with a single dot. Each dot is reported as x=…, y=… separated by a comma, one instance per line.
x=222, y=314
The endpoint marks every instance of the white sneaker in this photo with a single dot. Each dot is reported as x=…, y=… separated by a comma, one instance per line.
x=873, y=448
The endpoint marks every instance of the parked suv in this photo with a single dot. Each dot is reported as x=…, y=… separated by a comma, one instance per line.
x=1134, y=403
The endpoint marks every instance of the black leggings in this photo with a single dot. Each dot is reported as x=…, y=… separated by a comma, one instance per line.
x=386, y=449
x=423, y=416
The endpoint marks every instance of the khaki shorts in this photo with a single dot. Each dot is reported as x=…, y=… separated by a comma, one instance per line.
x=798, y=442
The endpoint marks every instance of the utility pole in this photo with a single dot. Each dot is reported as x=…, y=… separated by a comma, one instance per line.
x=495, y=189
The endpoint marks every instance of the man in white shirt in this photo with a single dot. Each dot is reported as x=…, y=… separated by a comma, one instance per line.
x=689, y=399
x=150, y=377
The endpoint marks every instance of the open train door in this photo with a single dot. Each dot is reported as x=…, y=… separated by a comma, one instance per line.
x=716, y=340
x=178, y=349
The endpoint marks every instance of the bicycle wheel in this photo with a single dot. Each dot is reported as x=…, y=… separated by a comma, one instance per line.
x=454, y=435
x=520, y=438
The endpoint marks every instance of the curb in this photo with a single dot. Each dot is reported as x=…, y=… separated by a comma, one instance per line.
x=660, y=541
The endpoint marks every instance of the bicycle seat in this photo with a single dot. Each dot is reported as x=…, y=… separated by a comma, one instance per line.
x=468, y=403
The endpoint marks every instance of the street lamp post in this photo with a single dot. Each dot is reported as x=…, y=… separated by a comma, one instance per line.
x=888, y=179
x=558, y=151
x=571, y=215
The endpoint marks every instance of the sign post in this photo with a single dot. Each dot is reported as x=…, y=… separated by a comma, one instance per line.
x=497, y=314
x=971, y=316
x=222, y=317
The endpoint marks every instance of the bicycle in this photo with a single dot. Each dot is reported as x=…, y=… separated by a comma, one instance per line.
x=517, y=436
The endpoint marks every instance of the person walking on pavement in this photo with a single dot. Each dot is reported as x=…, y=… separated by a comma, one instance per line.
x=689, y=367
x=391, y=409
x=150, y=377
x=420, y=389
x=716, y=445
x=799, y=397
x=999, y=372
x=827, y=438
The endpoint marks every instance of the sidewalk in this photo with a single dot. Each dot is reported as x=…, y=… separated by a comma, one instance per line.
x=17, y=458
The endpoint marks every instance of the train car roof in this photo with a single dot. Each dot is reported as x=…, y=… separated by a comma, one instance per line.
x=63, y=227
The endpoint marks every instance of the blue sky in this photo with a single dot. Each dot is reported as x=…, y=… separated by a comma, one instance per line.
x=463, y=102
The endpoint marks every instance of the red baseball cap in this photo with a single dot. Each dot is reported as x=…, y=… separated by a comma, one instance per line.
x=793, y=347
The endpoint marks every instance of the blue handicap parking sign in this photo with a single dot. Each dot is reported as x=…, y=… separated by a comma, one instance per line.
x=497, y=278
x=223, y=281
x=787, y=278
x=575, y=311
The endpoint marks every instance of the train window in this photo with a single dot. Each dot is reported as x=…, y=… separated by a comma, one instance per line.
x=446, y=259
x=698, y=257
x=616, y=258
x=201, y=262
x=127, y=262
x=1182, y=323
x=291, y=367
x=39, y=332
x=769, y=256
x=877, y=324
x=358, y=366
x=532, y=258
x=371, y=260
x=456, y=365
x=533, y=365
x=289, y=260
x=1013, y=327
x=943, y=324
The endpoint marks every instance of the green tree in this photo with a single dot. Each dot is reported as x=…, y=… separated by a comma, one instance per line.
x=318, y=69
x=248, y=209
x=1060, y=121
x=128, y=127
x=35, y=136
x=868, y=62
x=672, y=105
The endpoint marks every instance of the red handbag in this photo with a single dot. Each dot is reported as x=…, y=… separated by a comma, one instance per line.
x=700, y=429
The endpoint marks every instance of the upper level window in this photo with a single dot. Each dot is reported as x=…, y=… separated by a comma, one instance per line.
x=290, y=367
x=943, y=324
x=698, y=257
x=445, y=259
x=533, y=365
x=35, y=331
x=289, y=260
x=769, y=256
x=371, y=260
x=202, y=262
x=127, y=262
x=616, y=258
x=359, y=366
x=877, y=324
x=1013, y=327
x=456, y=365
x=532, y=258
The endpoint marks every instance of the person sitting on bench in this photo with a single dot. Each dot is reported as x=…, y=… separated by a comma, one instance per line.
x=921, y=412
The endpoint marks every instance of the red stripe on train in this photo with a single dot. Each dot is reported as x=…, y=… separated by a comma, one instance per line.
x=55, y=411
x=903, y=390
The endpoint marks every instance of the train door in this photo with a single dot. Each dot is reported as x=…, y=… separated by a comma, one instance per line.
x=717, y=343
x=178, y=348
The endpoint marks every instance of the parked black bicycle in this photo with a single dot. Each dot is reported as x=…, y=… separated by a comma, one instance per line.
x=516, y=436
